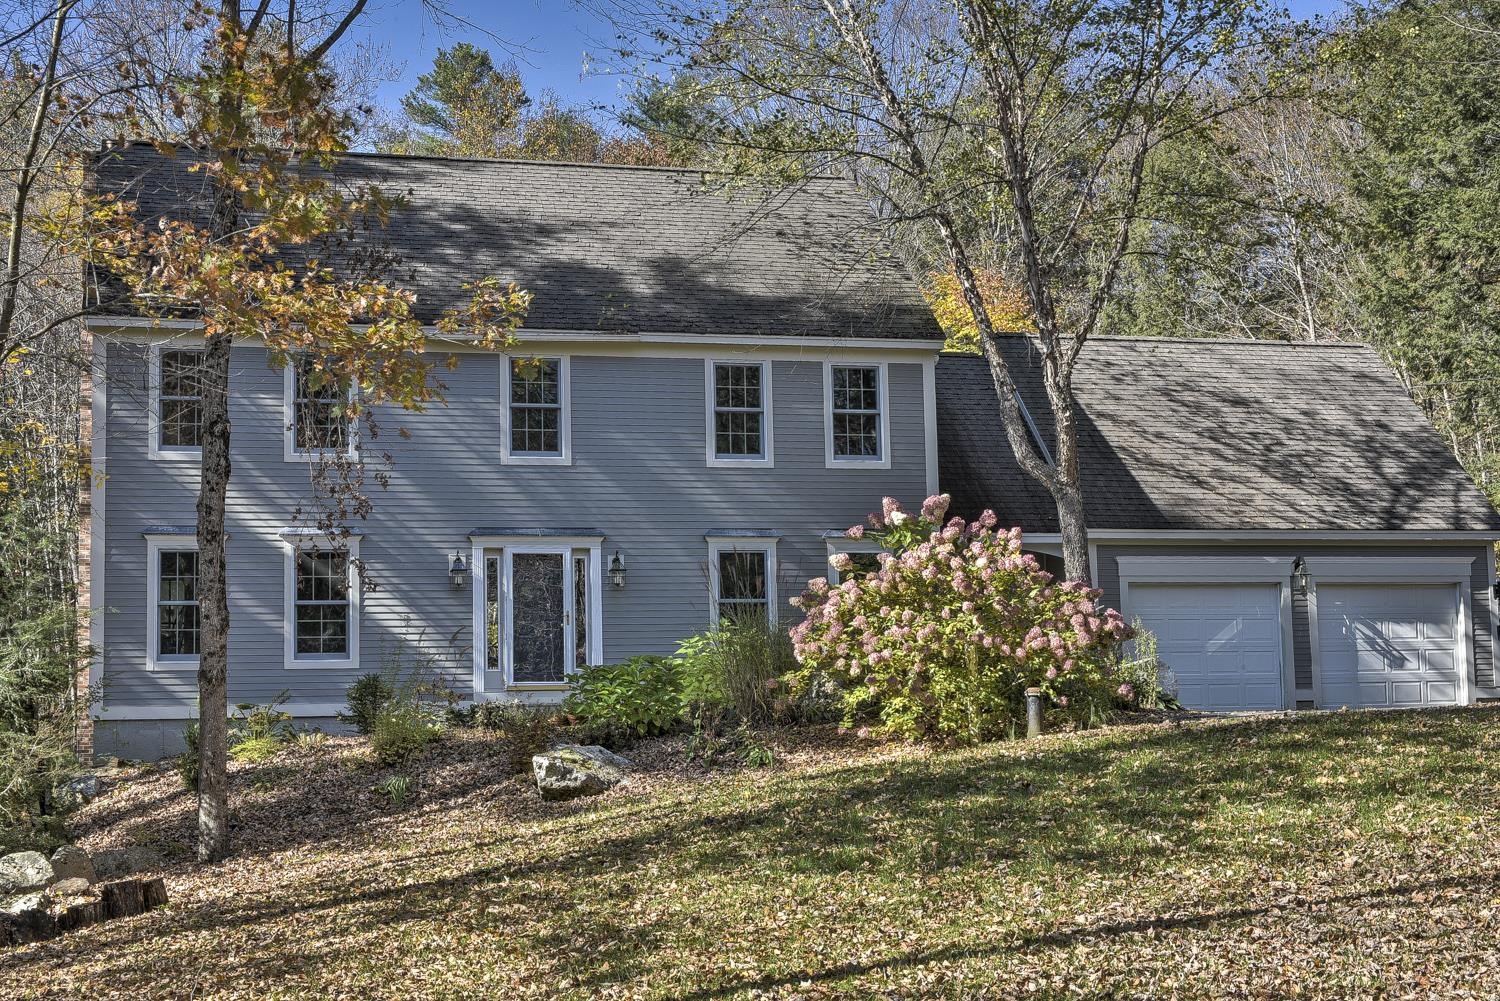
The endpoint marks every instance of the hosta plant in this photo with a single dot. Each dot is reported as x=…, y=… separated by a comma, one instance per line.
x=945, y=637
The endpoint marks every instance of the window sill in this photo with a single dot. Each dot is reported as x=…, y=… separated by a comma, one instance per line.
x=316, y=664
x=536, y=460
x=858, y=464
x=172, y=665
x=180, y=454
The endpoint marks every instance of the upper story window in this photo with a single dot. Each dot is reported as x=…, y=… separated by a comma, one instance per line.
x=858, y=420
x=177, y=402
x=739, y=418
x=742, y=578
x=537, y=423
x=172, y=583
x=322, y=600
x=317, y=412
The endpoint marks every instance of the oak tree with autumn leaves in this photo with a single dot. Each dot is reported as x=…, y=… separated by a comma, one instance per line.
x=262, y=128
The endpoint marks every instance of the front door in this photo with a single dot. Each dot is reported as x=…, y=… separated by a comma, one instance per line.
x=539, y=613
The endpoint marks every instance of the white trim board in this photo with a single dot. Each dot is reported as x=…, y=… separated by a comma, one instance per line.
x=781, y=347
x=883, y=424
x=292, y=541
x=767, y=457
x=155, y=545
x=564, y=457
x=723, y=543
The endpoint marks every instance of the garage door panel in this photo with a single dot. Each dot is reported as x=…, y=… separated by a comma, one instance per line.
x=1388, y=644
x=1221, y=642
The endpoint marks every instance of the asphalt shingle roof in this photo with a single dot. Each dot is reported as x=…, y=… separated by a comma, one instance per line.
x=1213, y=435
x=602, y=248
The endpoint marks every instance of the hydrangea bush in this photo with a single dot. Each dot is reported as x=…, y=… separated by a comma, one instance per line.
x=944, y=639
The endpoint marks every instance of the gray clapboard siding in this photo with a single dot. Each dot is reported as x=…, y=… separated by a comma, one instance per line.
x=1481, y=651
x=638, y=474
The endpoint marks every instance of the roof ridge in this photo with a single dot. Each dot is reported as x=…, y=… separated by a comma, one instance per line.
x=440, y=158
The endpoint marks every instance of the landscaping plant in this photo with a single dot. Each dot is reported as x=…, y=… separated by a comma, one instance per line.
x=738, y=665
x=402, y=732
x=943, y=640
x=367, y=698
x=644, y=695
x=259, y=731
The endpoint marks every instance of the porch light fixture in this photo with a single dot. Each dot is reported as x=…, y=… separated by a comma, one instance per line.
x=1300, y=577
x=458, y=569
x=617, y=570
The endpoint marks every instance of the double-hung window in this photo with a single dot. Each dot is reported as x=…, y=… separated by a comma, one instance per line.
x=177, y=411
x=851, y=557
x=739, y=419
x=322, y=599
x=858, y=422
x=172, y=583
x=742, y=578
x=536, y=412
x=317, y=412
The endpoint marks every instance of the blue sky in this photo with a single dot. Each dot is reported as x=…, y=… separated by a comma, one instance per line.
x=551, y=41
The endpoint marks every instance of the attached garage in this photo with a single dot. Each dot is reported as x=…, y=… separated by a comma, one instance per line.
x=1241, y=632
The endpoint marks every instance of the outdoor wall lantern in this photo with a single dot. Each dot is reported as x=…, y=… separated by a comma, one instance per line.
x=458, y=569
x=617, y=570
x=1300, y=576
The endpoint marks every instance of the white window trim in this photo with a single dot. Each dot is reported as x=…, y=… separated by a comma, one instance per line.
x=844, y=544
x=882, y=461
x=1222, y=570
x=155, y=449
x=745, y=544
x=295, y=540
x=767, y=458
x=483, y=546
x=155, y=546
x=564, y=421
x=290, y=451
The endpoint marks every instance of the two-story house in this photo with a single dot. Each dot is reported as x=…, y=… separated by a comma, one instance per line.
x=708, y=391
x=709, y=388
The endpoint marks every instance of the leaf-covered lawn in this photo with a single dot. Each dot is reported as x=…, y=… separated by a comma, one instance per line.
x=1343, y=855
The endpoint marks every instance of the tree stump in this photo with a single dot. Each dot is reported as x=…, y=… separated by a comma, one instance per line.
x=154, y=893
x=80, y=915
x=122, y=899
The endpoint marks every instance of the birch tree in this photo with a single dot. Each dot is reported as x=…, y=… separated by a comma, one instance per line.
x=1042, y=114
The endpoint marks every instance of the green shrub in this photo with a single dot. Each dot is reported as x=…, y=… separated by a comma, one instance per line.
x=739, y=665
x=1140, y=677
x=368, y=697
x=527, y=729
x=644, y=695
x=401, y=733
x=718, y=734
x=258, y=731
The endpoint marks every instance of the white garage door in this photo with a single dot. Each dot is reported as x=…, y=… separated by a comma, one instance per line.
x=1221, y=642
x=1388, y=644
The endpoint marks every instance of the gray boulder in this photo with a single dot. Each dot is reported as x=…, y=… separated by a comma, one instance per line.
x=574, y=770
x=74, y=794
x=23, y=871
x=72, y=862
x=128, y=861
x=26, y=918
x=73, y=886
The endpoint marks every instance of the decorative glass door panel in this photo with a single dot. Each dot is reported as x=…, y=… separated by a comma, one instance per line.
x=541, y=596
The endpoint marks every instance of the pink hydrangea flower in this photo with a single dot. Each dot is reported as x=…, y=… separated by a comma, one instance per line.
x=934, y=507
x=856, y=532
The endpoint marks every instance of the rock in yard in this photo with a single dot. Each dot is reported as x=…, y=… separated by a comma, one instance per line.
x=72, y=795
x=127, y=861
x=73, y=886
x=72, y=862
x=24, y=871
x=577, y=770
x=26, y=919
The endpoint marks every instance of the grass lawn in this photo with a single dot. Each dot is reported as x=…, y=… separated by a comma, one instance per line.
x=1343, y=855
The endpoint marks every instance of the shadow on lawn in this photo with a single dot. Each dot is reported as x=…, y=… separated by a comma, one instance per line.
x=1093, y=804
x=1063, y=938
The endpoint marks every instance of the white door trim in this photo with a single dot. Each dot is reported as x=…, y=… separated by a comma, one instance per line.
x=1221, y=570
x=1452, y=570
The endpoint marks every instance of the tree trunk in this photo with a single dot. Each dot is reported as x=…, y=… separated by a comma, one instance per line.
x=213, y=606
x=1075, y=532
